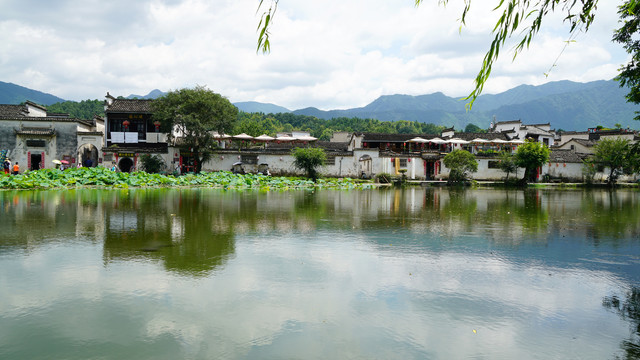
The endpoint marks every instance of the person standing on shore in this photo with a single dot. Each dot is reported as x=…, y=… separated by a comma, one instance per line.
x=16, y=169
x=6, y=165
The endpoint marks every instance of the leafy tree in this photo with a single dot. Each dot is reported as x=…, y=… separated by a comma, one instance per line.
x=193, y=115
x=473, y=128
x=613, y=153
x=309, y=159
x=84, y=109
x=626, y=35
x=152, y=164
x=515, y=17
x=507, y=164
x=460, y=163
x=588, y=170
x=531, y=155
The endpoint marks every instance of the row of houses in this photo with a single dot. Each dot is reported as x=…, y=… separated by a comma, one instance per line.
x=34, y=137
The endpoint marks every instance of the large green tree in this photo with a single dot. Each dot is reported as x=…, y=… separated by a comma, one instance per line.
x=460, y=164
x=192, y=115
x=531, y=155
x=627, y=35
x=615, y=154
x=507, y=163
x=309, y=159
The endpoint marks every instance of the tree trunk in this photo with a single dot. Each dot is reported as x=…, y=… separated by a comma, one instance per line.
x=197, y=167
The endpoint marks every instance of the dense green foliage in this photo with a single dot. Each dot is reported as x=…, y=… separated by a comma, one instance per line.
x=531, y=155
x=84, y=109
x=99, y=176
x=309, y=159
x=256, y=124
x=618, y=155
x=152, y=164
x=194, y=114
x=627, y=35
x=507, y=163
x=460, y=163
x=473, y=128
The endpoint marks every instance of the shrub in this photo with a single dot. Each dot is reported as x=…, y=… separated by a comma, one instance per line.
x=152, y=164
x=460, y=163
x=309, y=160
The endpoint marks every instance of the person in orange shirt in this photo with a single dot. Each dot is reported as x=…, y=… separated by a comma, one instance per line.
x=16, y=169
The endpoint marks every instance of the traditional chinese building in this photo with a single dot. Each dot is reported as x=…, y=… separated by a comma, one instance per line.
x=131, y=132
x=33, y=137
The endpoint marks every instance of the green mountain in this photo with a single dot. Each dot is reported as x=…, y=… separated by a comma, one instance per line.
x=13, y=94
x=565, y=104
x=257, y=107
x=154, y=94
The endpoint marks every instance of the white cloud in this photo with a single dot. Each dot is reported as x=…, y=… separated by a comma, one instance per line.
x=327, y=54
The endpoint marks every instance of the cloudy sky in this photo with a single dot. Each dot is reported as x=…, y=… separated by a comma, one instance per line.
x=330, y=54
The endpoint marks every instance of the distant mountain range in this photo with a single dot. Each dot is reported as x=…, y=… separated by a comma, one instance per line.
x=13, y=94
x=565, y=104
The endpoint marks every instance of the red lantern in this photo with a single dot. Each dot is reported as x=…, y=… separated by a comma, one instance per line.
x=157, y=125
x=126, y=124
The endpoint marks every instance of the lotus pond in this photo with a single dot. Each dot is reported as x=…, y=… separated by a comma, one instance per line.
x=200, y=273
x=99, y=176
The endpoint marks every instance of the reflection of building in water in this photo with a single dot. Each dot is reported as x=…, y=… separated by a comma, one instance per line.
x=194, y=230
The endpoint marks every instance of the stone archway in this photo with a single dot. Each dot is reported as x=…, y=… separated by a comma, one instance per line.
x=125, y=164
x=88, y=155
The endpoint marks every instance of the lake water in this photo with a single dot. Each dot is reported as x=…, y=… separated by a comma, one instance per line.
x=375, y=274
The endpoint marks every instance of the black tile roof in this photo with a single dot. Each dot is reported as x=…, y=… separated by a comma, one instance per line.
x=566, y=156
x=12, y=111
x=130, y=106
x=584, y=142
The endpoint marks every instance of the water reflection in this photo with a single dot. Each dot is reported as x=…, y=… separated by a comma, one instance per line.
x=193, y=230
x=200, y=273
x=628, y=309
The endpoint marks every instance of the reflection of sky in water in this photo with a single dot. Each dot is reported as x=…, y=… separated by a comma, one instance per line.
x=315, y=290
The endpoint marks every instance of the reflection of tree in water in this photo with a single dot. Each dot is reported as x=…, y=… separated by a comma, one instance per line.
x=174, y=228
x=612, y=214
x=629, y=310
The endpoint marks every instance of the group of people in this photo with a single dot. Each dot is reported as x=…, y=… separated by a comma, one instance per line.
x=8, y=169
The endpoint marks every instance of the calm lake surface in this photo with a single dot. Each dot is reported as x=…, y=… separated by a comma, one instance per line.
x=374, y=274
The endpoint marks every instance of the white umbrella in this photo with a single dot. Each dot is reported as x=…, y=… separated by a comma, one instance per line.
x=305, y=138
x=478, y=140
x=56, y=161
x=285, y=138
x=516, y=141
x=264, y=137
x=499, y=141
x=221, y=136
x=437, y=140
x=457, y=141
x=243, y=136
x=417, y=140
